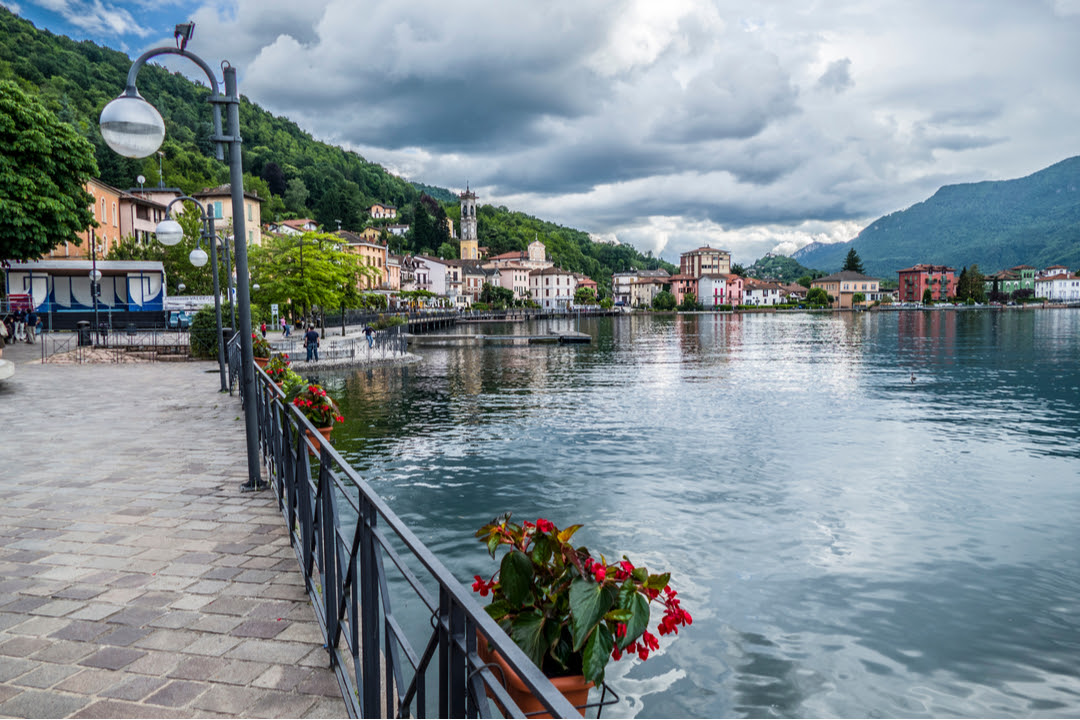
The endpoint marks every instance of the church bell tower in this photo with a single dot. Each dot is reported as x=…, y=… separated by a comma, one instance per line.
x=470, y=245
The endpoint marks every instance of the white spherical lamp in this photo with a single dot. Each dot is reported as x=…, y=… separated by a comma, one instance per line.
x=197, y=257
x=169, y=232
x=131, y=126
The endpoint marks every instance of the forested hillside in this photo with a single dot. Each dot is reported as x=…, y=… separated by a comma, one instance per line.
x=1033, y=220
x=296, y=175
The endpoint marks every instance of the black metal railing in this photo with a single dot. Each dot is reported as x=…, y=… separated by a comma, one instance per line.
x=388, y=343
x=232, y=357
x=118, y=346
x=400, y=629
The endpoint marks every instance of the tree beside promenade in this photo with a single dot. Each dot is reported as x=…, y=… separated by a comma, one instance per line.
x=44, y=167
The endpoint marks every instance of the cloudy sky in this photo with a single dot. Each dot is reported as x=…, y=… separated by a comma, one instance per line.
x=667, y=124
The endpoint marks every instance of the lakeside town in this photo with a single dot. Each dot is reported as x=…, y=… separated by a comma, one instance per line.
x=62, y=283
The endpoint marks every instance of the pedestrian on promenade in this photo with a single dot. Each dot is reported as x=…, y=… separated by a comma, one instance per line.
x=284, y=328
x=20, y=324
x=369, y=333
x=311, y=342
x=32, y=321
x=262, y=328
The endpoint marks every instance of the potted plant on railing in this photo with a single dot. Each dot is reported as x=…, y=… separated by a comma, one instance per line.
x=277, y=367
x=317, y=407
x=260, y=349
x=570, y=612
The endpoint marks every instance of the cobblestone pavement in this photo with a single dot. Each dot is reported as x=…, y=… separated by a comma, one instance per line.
x=135, y=579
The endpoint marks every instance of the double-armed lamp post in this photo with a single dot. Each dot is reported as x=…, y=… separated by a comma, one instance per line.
x=169, y=232
x=133, y=128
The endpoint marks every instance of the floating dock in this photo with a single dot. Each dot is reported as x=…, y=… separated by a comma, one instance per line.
x=564, y=338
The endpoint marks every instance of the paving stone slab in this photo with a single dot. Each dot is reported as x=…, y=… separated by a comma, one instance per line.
x=112, y=658
x=42, y=704
x=45, y=675
x=122, y=709
x=177, y=693
x=134, y=687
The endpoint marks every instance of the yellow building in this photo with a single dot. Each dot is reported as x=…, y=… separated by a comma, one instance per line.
x=371, y=252
x=106, y=211
x=219, y=201
x=842, y=287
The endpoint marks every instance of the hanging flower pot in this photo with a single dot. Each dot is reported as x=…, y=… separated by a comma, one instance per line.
x=575, y=688
x=315, y=442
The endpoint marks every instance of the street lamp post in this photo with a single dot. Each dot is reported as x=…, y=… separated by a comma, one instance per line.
x=170, y=233
x=133, y=128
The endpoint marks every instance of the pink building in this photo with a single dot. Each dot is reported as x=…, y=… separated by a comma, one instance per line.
x=720, y=289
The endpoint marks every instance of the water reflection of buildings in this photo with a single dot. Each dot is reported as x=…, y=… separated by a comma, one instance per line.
x=927, y=336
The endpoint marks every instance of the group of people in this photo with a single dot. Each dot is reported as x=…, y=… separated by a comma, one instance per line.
x=20, y=326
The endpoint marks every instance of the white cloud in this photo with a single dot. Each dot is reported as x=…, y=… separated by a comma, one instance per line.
x=671, y=124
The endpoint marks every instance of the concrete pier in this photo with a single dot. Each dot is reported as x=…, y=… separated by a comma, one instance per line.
x=135, y=579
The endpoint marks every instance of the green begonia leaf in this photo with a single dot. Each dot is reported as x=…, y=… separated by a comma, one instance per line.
x=588, y=603
x=515, y=578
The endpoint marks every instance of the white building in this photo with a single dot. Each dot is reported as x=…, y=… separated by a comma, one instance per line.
x=716, y=289
x=1058, y=288
x=552, y=288
x=512, y=276
x=761, y=293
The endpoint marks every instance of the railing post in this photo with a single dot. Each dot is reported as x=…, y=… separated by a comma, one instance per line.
x=328, y=556
x=369, y=609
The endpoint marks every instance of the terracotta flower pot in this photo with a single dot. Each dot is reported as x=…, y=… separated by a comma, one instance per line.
x=261, y=362
x=325, y=432
x=573, y=687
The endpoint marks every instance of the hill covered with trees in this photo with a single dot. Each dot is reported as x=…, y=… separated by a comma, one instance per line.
x=1034, y=220
x=296, y=175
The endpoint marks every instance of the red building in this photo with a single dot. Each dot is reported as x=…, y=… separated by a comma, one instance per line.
x=916, y=280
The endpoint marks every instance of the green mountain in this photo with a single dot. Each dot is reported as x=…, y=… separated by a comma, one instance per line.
x=779, y=267
x=296, y=175
x=1033, y=220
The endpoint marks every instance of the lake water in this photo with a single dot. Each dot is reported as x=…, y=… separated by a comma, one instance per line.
x=849, y=542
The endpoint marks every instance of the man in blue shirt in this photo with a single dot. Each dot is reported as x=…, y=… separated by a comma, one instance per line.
x=311, y=342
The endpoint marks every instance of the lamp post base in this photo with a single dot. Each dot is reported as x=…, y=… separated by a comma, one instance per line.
x=253, y=487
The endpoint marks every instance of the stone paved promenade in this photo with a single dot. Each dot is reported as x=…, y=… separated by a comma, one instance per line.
x=135, y=579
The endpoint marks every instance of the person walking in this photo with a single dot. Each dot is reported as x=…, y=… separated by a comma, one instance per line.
x=20, y=325
x=262, y=328
x=284, y=328
x=32, y=321
x=311, y=342
x=369, y=333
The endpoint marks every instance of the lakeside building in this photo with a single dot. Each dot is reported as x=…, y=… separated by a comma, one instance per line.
x=940, y=280
x=793, y=292
x=397, y=230
x=512, y=276
x=705, y=260
x=219, y=201
x=720, y=289
x=681, y=286
x=622, y=283
x=1058, y=287
x=372, y=254
x=105, y=208
x=393, y=272
x=761, y=293
x=552, y=288
x=1001, y=283
x=645, y=290
x=843, y=286
x=1054, y=270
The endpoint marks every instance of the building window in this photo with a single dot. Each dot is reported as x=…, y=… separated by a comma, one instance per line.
x=249, y=212
x=217, y=209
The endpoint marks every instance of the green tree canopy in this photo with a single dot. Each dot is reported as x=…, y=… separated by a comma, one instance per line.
x=852, y=263
x=663, y=301
x=44, y=167
x=322, y=279
x=817, y=296
x=584, y=296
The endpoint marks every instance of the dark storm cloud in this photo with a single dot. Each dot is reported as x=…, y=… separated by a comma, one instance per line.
x=637, y=117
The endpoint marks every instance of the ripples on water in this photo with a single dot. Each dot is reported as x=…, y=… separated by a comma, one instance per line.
x=850, y=543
